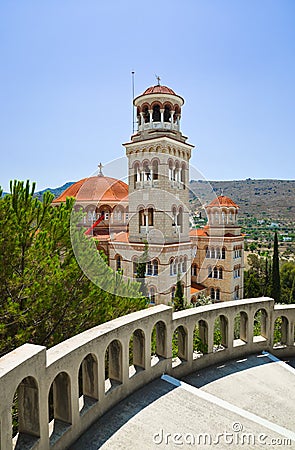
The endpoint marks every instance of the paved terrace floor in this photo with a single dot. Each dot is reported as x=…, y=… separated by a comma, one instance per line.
x=242, y=404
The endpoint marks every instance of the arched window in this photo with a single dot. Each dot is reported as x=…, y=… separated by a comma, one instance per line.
x=179, y=265
x=212, y=294
x=146, y=171
x=180, y=219
x=118, y=262
x=174, y=217
x=151, y=217
x=194, y=270
x=182, y=175
x=141, y=218
x=217, y=294
x=136, y=174
x=175, y=266
x=135, y=264
x=149, y=268
x=170, y=170
x=152, y=295
x=146, y=114
x=177, y=171
x=167, y=113
x=171, y=267
x=155, y=170
x=237, y=271
x=218, y=254
x=237, y=293
x=138, y=116
x=223, y=253
x=155, y=267
x=207, y=252
x=209, y=272
x=212, y=252
x=156, y=113
x=220, y=273
x=215, y=272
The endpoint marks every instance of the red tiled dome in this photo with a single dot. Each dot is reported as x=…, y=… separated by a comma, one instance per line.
x=158, y=90
x=222, y=200
x=97, y=188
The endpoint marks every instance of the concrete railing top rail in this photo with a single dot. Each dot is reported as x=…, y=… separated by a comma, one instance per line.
x=60, y=392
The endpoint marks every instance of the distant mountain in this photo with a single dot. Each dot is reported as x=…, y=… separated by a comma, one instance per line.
x=55, y=191
x=272, y=199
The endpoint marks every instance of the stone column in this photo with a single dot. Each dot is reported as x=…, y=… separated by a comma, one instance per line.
x=141, y=125
x=172, y=118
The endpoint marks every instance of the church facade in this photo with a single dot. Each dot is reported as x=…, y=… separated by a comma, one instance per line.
x=150, y=215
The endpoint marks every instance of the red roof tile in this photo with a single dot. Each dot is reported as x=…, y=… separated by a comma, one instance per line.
x=222, y=200
x=196, y=287
x=97, y=188
x=158, y=90
x=199, y=231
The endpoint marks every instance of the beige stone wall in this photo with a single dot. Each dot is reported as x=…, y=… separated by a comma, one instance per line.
x=164, y=282
x=31, y=370
x=229, y=282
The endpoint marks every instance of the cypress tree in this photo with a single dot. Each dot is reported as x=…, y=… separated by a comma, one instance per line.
x=178, y=299
x=276, y=284
x=141, y=270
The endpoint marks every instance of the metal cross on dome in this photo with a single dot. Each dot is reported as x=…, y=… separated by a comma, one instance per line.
x=100, y=166
x=158, y=79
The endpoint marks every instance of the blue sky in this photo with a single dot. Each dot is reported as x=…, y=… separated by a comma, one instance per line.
x=65, y=83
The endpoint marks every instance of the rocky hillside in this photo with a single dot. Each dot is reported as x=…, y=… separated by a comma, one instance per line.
x=55, y=191
x=272, y=199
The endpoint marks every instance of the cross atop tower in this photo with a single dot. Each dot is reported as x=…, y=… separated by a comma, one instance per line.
x=100, y=166
x=158, y=79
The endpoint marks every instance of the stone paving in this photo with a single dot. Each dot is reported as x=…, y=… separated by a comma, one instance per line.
x=242, y=404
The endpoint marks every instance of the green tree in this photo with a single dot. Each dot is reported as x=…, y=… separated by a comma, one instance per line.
x=287, y=274
x=178, y=299
x=141, y=270
x=252, y=285
x=276, y=284
x=44, y=295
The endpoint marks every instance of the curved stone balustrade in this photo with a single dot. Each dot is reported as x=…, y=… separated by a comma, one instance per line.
x=81, y=378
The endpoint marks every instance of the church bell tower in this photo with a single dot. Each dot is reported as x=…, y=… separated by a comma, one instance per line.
x=158, y=168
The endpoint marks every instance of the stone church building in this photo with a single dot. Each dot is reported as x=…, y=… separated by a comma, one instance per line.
x=152, y=212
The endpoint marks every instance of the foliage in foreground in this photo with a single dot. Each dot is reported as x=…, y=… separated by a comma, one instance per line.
x=45, y=297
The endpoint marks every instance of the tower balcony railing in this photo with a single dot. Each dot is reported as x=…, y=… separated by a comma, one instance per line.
x=147, y=184
x=159, y=125
x=91, y=372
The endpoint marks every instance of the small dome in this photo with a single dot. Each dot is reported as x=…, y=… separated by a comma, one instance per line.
x=158, y=90
x=97, y=188
x=222, y=200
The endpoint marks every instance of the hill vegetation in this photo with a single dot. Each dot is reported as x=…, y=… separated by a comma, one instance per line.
x=262, y=199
